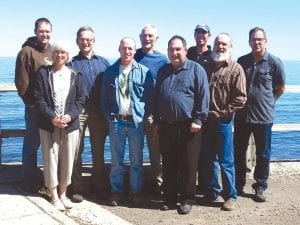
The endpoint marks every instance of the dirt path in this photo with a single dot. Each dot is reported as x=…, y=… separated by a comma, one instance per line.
x=282, y=207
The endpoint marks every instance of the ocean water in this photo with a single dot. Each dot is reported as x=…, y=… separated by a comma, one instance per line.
x=285, y=144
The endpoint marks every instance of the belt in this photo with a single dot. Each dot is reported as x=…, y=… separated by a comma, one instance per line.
x=176, y=123
x=125, y=117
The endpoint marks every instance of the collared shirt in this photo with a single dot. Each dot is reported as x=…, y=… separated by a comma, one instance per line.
x=202, y=58
x=181, y=94
x=262, y=79
x=141, y=84
x=227, y=84
x=89, y=69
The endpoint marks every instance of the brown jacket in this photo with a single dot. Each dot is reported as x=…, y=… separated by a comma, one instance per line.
x=28, y=61
x=227, y=85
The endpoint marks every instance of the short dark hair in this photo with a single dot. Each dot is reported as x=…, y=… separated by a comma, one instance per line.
x=178, y=37
x=255, y=29
x=84, y=28
x=41, y=20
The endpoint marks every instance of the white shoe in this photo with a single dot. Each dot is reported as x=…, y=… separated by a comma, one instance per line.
x=58, y=205
x=67, y=203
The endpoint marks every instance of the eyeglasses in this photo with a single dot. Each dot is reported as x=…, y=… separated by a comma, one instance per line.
x=88, y=40
x=257, y=39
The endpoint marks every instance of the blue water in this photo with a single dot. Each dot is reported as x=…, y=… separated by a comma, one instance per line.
x=285, y=144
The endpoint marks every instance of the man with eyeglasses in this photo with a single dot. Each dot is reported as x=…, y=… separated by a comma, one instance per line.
x=265, y=79
x=90, y=66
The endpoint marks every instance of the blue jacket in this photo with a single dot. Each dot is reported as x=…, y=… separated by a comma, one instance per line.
x=43, y=93
x=141, y=85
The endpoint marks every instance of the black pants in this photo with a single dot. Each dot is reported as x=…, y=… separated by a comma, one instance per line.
x=180, y=153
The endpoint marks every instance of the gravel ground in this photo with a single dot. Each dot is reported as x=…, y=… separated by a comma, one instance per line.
x=281, y=208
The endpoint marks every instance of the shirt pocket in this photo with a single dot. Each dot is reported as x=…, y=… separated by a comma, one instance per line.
x=263, y=77
x=181, y=85
x=138, y=89
x=220, y=81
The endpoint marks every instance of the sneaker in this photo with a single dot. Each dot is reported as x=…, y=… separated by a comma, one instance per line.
x=260, y=195
x=229, y=205
x=136, y=199
x=67, y=203
x=114, y=199
x=77, y=198
x=58, y=204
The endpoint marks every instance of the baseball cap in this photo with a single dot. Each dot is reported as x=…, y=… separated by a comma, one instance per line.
x=202, y=27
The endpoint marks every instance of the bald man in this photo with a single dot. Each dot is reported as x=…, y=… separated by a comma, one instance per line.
x=125, y=98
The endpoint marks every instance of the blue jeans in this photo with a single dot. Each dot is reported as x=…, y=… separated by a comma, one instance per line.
x=218, y=144
x=119, y=130
x=31, y=144
x=262, y=135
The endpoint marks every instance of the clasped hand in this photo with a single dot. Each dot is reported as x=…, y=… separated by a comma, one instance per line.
x=61, y=121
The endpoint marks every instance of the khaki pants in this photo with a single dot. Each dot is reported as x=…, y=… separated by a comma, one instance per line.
x=58, y=155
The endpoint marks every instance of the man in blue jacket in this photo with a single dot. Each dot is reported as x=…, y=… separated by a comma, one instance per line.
x=125, y=98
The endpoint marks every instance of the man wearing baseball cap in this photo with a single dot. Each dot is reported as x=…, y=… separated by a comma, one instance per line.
x=201, y=54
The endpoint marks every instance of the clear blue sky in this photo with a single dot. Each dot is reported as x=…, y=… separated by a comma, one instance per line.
x=115, y=19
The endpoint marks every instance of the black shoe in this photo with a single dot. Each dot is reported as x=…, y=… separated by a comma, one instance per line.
x=211, y=198
x=114, y=199
x=136, y=199
x=31, y=188
x=168, y=206
x=240, y=191
x=260, y=195
x=185, y=208
x=77, y=198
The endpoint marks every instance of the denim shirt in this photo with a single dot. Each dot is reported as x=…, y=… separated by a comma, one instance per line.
x=141, y=85
x=262, y=79
x=91, y=71
x=181, y=94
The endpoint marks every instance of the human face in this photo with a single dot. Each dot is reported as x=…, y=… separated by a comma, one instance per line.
x=60, y=58
x=177, y=53
x=222, y=48
x=258, y=42
x=127, y=50
x=43, y=33
x=148, y=39
x=85, y=42
x=201, y=37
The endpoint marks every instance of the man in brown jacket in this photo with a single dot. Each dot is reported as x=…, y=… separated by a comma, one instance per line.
x=227, y=84
x=34, y=53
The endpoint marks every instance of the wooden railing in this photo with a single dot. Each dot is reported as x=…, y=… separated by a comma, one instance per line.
x=13, y=133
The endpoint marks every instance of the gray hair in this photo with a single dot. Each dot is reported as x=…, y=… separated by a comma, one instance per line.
x=152, y=27
x=62, y=45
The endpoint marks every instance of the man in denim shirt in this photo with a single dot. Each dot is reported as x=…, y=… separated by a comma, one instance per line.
x=265, y=84
x=125, y=98
x=180, y=106
x=90, y=66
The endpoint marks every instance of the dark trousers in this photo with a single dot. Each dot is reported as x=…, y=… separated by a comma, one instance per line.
x=262, y=135
x=98, y=129
x=180, y=151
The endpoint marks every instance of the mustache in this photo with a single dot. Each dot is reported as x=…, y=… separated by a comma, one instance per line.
x=220, y=56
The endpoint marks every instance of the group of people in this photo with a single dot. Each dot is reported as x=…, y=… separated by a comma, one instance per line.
x=185, y=104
